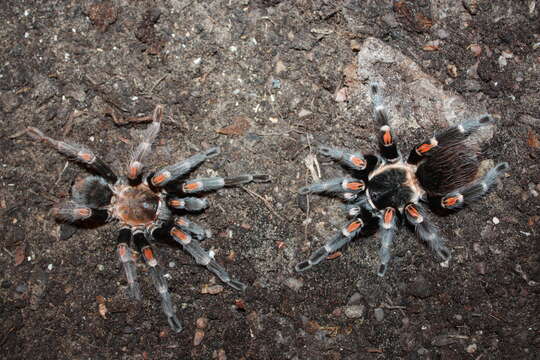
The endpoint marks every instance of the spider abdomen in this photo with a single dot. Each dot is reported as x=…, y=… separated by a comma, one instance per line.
x=135, y=205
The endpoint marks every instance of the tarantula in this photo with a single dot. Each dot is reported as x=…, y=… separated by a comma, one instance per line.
x=384, y=188
x=147, y=207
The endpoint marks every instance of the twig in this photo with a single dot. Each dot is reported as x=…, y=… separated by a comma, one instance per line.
x=18, y=133
x=266, y=203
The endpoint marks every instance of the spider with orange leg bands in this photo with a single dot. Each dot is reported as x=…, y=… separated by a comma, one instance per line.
x=147, y=206
x=385, y=188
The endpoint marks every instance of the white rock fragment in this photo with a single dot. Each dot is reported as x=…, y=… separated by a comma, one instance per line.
x=496, y=220
x=413, y=98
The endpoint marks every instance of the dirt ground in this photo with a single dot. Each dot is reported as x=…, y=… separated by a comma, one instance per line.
x=267, y=80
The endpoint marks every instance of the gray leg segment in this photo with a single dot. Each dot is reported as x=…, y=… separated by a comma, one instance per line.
x=188, y=203
x=216, y=183
x=143, y=149
x=425, y=230
x=78, y=153
x=158, y=279
x=388, y=227
x=203, y=257
x=337, y=242
x=125, y=254
x=355, y=161
x=348, y=186
x=176, y=171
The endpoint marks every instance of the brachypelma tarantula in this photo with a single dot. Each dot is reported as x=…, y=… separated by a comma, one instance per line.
x=384, y=188
x=147, y=206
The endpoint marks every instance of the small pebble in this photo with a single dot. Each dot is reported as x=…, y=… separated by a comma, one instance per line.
x=172, y=264
x=481, y=268
x=50, y=267
x=198, y=337
x=379, y=314
x=471, y=348
x=458, y=317
x=355, y=299
x=21, y=288
x=276, y=84
x=496, y=220
x=100, y=267
x=202, y=322
x=294, y=283
x=354, y=311
x=211, y=289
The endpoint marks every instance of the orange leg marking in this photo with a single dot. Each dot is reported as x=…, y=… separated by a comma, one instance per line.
x=181, y=222
x=84, y=212
x=354, y=226
x=357, y=161
x=148, y=254
x=179, y=234
x=424, y=148
x=158, y=179
x=388, y=215
x=355, y=186
x=192, y=186
x=387, y=138
x=176, y=203
x=132, y=172
x=86, y=157
x=412, y=211
x=451, y=201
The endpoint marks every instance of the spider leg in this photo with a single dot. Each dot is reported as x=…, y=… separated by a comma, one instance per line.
x=452, y=135
x=173, y=172
x=203, y=257
x=215, y=183
x=387, y=144
x=92, y=191
x=78, y=153
x=349, y=188
x=158, y=279
x=192, y=204
x=388, y=226
x=354, y=161
x=144, y=148
x=197, y=231
x=335, y=243
x=72, y=212
x=125, y=253
x=425, y=230
x=474, y=191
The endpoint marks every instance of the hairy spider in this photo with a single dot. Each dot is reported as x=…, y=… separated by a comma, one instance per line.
x=147, y=207
x=383, y=189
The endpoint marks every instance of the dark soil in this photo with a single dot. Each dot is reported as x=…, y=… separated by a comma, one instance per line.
x=85, y=70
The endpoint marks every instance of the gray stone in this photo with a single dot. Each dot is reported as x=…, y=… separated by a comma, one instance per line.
x=379, y=314
x=414, y=99
x=294, y=284
x=354, y=311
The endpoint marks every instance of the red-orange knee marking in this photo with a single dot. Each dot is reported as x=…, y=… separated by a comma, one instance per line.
x=355, y=185
x=357, y=161
x=388, y=215
x=424, y=148
x=354, y=226
x=387, y=138
x=192, y=186
x=413, y=211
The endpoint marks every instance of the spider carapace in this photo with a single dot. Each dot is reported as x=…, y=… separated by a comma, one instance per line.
x=385, y=188
x=147, y=206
